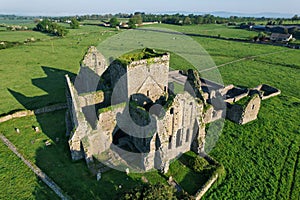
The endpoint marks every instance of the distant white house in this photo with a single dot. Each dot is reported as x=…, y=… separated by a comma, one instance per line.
x=278, y=37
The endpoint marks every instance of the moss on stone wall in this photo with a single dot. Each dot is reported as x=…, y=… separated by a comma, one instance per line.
x=137, y=55
x=110, y=108
x=245, y=101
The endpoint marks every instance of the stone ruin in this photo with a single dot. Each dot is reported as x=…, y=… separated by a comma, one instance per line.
x=127, y=115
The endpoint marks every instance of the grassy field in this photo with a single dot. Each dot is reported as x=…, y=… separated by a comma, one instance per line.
x=17, y=181
x=261, y=158
x=21, y=36
x=73, y=177
x=37, y=70
x=22, y=22
x=221, y=30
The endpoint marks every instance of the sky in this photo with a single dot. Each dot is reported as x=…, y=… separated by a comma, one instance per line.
x=79, y=7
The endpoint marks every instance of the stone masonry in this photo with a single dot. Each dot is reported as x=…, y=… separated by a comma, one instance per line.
x=125, y=115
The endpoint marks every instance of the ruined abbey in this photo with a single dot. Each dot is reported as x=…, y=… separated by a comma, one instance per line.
x=127, y=114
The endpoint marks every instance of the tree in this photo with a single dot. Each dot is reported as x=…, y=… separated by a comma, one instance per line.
x=74, y=23
x=187, y=21
x=135, y=20
x=199, y=20
x=293, y=30
x=46, y=26
x=36, y=20
x=261, y=36
x=114, y=22
x=295, y=17
x=131, y=23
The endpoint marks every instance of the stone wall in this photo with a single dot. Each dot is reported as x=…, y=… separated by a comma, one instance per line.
x=267, y=91
x=38, y=111
x=243, y=114
x=80, y=126
x=234, y=113
x=251, y=110
x=91, y=98
x=95, y=61
x=148, y=77
x=179, y=129
x=206, y=187
x=172, y=135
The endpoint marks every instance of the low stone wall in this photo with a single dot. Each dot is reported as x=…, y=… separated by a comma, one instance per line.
x=206, y=187
x=47, y=180
x=217, y=174
x=38, y=111
x=267, y=91
x=239, y=97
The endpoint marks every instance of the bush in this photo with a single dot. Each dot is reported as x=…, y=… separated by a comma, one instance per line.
x=198, y=164
x=157, y=191
x=47, y=26
x=114, y=22
x=74, y=23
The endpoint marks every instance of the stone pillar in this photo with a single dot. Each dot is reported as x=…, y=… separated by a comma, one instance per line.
x=165, y=167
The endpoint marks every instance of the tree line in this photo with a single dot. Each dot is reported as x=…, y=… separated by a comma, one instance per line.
x=181, y=19
x=47, y=26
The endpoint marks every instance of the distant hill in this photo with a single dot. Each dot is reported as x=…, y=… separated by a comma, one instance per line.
x=228, y=14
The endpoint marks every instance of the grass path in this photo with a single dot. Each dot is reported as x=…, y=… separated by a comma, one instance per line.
x=35, y=169
x=243, y=59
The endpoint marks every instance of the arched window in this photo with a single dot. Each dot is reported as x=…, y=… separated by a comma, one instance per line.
x=170, y=142
x=179, y=138
x=187, y=135
x=172, y=111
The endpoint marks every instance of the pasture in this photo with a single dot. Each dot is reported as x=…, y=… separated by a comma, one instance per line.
x=261, y=158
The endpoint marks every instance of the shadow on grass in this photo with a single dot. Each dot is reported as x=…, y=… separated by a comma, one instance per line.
x=73, y=178
x=53, y=84
x=185, y=176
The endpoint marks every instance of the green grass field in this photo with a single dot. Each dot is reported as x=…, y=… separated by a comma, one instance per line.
x=261, y=158
x=21, y=36
x=38, y=69
x=21, y=22
x=73, y=177
x=18, y=181
x=221, y=30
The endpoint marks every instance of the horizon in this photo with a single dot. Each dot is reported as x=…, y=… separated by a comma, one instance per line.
x=70, y=8
x=225, y=14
